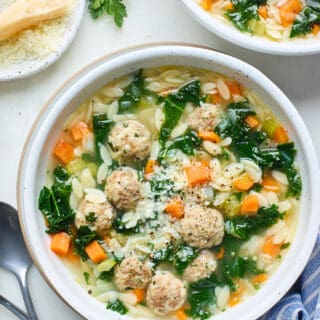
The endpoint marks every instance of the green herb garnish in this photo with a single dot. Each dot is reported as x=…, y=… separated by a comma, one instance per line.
x=115, y=8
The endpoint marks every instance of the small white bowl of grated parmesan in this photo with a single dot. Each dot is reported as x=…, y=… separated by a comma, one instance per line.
x=36, y=46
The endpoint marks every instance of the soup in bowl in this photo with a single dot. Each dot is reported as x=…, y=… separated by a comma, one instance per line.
x=277, y=27
x=170, y=190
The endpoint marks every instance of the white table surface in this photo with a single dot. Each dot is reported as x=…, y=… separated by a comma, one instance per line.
x=148, y=21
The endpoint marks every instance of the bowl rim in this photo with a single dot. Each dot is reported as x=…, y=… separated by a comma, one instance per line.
x=229, y=33
x=40, y=65
x=315, y=202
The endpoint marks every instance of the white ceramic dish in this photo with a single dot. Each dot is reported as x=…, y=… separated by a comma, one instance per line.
x=30, y=67
x=47, y=127
x=230, y=33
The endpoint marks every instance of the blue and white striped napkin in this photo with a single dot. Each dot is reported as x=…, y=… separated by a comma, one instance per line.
x=303, y=300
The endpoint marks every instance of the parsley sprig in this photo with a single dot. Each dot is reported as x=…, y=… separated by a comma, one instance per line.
x=115, y=8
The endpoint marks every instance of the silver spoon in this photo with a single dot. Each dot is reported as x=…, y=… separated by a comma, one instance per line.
x=14, y=256
x=19, y=313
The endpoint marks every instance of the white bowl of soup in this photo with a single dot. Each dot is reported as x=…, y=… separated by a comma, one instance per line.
x=279, y=27
x=169, y=181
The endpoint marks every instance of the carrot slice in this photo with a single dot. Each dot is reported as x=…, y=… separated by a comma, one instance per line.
x=270, y=248
x=270, y=184
x=236, y=295
x=229, y=6
x=259, y=278
x=198, y=173
x=243, y=183
x=140, y=294
x=315, y=29
x=234, y=88
x=150, y=166
x=250, y=205
x=263, y=12
x=280, y=135
x=207, y=4
x=216, y=98
x=252, y=121
x=60, y=243
x=220, y=253
x=289, y=10
x=95, y=252
x=180, y=314
x=64, y=151
x=208, y=135
x=79, y=130
x=175, y=208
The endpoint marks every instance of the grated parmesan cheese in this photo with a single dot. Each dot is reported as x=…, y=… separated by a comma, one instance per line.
x=34, y=43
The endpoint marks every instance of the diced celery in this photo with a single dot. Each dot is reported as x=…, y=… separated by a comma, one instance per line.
x=146, y=102
x=259, y=28
x=252, y=24
x=106, y=265
x=75, y=166
x=270, y=125
x=232, y=204
x=93, y=168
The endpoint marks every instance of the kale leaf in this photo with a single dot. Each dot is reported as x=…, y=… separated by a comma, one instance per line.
x=246, y=143
x=117, y=306
x=120, y=226
x=84, y=236
x=115, y=8
x=163, y=255
x=295, y=183
x=184, y=255
x=305, y=20
x=201, y=295
x=180, y=256
x=234, y=266
x=174, y=105
x=187, y=143
x=101, y=129
x=61, y=174
x=238, y=266
x=129, y=101
x=54, y=202
x=161, y=187
x=107, y=275
x=243, y=12
x=243, y=227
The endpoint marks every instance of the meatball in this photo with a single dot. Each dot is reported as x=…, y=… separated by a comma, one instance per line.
x=165, y=293
x=201, y=267
x=123, y=188
x=99, y=216
x=202, y=227
x=130, y=141
x=132, y=274
x=203, y=118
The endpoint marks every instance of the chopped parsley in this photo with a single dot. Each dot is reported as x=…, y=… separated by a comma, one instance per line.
x=90, y=217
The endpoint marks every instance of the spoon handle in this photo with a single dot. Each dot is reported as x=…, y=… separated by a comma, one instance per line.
x=10, y=306
x=27, y=297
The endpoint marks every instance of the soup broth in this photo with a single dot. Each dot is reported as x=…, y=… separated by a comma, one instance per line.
x=172, y=193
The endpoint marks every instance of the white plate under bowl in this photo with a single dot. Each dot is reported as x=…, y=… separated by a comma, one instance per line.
x=229, y=32
x=30, y=67
x=41, y=140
